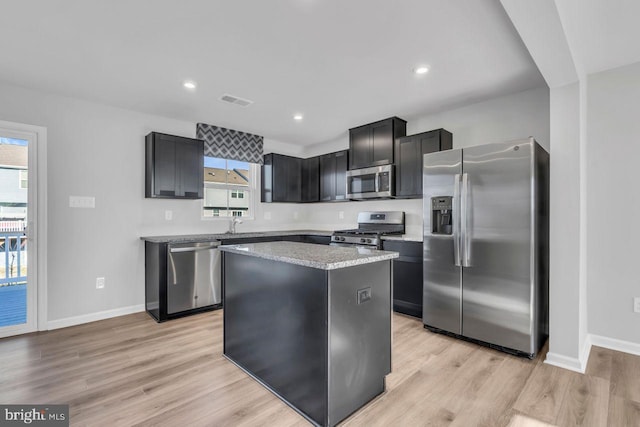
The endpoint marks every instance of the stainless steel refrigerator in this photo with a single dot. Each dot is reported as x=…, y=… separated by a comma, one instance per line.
x=486, y=244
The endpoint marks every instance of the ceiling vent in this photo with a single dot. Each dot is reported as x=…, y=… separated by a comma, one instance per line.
x=235, y=100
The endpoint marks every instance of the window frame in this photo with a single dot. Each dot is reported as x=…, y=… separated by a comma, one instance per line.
x=251, y=189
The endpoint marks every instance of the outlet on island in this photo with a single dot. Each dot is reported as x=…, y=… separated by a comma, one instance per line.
x=100, y=283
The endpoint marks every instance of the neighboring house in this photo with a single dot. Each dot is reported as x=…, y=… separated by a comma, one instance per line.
x=225, y=188
x=13, y=181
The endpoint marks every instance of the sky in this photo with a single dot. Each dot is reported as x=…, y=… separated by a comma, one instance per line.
x=13, y=141
x=214, y=162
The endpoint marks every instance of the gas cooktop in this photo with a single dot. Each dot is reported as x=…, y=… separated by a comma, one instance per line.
x=371, y=225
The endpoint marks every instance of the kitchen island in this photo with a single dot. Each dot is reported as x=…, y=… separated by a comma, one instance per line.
x=312, y=323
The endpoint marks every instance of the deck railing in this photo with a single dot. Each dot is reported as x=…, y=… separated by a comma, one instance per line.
x=13, y=244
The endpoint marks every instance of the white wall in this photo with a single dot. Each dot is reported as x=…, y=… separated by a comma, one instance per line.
x=94, y=150
x=564, y=289
x=510, y=117
x=614, y=202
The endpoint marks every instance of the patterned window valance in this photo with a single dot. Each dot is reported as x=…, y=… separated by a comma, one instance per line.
x=230, y=144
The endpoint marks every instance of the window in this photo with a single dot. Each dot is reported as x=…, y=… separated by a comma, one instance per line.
x=228, y=187
x=23, y=179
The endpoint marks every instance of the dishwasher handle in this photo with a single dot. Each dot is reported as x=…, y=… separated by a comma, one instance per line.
x=212, y=245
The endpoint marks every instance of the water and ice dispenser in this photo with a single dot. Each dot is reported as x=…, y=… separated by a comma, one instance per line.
x=441, y=218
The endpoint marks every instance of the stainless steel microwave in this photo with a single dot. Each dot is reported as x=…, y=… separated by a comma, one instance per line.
x=370, y=183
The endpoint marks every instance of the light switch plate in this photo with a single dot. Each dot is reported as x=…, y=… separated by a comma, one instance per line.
x=168, y=215
x=295, y=215
x=341, y=215
x=267, y=215
x=82, y=202
x=100, y=283
x=636, y=304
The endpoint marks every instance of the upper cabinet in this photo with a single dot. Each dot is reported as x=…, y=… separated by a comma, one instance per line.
x=408, y=155
x=333, y=176
x=281, y=179
x=311, y=179
x=174, y=167
x=373, y=144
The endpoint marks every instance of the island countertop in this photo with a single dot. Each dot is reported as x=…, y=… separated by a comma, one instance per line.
x=311, y=255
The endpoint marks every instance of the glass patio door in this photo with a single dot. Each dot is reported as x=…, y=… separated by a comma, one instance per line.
x=18, y=299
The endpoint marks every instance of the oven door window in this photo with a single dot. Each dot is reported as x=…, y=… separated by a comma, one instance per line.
x=362, y=184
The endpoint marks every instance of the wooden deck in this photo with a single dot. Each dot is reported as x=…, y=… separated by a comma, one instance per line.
x=13, y=305
x=132, y=371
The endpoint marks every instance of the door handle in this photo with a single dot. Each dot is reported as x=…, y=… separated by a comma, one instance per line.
x=456, y=219
x=195, y=248
x=464, y=208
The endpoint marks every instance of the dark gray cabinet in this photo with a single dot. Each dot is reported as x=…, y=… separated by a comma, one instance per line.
x=174, y=167
x=407, y=276
x=333, y=176
x=408, y=156
x=373, y=144
x=293, y=180
x=281, y=179
x=311, y=180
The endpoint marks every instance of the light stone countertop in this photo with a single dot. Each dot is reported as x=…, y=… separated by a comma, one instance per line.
x=225, y=236
x=403, y=238
x=311, y=255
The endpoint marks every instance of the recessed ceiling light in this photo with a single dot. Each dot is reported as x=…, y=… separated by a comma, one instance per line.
x=298, y=117
x=189, y=84
x=422, y=69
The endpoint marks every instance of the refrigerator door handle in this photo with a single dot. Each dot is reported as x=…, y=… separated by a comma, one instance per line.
x=456, y=219
x=464, y=219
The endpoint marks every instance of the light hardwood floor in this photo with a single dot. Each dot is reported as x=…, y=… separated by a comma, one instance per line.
x=133, y=371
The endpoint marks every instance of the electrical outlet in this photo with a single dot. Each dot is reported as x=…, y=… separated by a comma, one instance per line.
x=636, y=304
x=168, y=215
x=341, y=215
x=267, y=215
x=295, y=215
x=100, y=283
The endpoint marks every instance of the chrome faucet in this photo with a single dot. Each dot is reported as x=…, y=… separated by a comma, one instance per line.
x=232, y=225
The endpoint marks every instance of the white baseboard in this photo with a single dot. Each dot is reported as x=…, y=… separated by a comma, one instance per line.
x=565, y=362
x=616, y=344
x=580, y=364
x=576, y=364
x=92, y=317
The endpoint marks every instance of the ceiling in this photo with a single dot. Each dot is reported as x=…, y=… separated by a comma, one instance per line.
x=340, y=63
x=601, y=34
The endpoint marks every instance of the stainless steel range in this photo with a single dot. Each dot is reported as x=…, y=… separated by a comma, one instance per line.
x=371, y=225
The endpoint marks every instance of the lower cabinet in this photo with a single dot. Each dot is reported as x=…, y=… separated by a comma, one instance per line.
x=407, y=276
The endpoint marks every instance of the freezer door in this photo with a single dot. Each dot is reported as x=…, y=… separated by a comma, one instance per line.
x=441, y=274
x=497, y=242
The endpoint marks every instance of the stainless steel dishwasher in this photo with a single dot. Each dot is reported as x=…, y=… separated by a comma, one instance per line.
x=193, y=277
